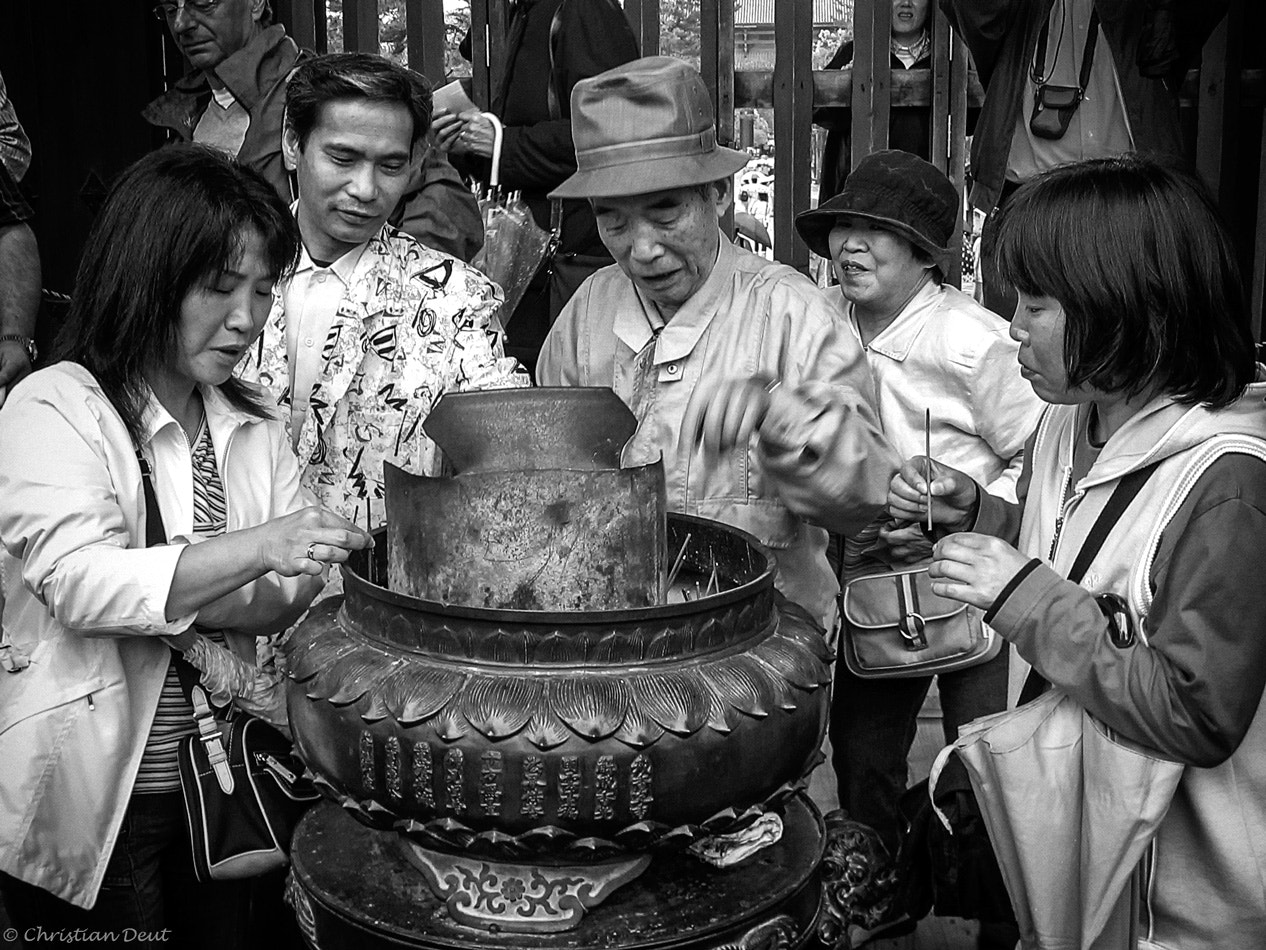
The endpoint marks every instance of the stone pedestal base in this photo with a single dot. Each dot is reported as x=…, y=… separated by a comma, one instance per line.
x=357, y=889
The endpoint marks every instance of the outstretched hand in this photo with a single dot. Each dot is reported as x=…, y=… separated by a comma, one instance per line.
x=724, y=413
x=307, y=541
x=973, y=568
x=953, y=495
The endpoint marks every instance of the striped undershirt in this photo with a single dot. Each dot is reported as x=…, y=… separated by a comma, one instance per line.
x=174, y=718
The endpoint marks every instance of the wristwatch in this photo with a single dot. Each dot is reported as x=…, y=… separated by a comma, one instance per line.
x=32, y=352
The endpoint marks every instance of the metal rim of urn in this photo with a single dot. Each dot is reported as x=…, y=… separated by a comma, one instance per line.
x=560, y=736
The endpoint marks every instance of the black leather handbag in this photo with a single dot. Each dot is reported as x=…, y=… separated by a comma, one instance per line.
x=244, y=794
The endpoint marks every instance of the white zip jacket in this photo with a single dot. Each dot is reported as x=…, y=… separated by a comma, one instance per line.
x=86, y=600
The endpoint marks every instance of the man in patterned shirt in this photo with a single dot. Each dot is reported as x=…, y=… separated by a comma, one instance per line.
x=373, y=327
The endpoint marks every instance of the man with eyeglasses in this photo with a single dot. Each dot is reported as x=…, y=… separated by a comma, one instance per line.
x=234, y=100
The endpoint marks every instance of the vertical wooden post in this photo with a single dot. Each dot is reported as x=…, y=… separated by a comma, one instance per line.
x=872, y=75
x=300, y=19
x=941, y=91
x=424, y=26
x=360, y=26
x=716, y=63
x=1211, y=111
x=957, y=170
x=643, y=16
x=793, y=111
x=322, y=27
x=481, y=86
x=1258, y=301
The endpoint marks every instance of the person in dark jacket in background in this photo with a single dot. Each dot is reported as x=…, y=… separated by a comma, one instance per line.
x=234, y=100
x=550, y=46
x=1140, y=52
x=909, y=130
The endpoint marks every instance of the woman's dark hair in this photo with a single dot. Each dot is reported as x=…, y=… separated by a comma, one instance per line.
x=1137, y=253
x=354, y=76
x=171, y=223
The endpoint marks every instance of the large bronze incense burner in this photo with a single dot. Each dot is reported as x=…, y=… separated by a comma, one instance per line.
x=558, y=744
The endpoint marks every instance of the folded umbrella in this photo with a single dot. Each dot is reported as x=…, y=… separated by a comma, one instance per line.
x=514, y=244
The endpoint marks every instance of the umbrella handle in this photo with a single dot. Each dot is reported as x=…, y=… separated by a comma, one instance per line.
x=498, y=133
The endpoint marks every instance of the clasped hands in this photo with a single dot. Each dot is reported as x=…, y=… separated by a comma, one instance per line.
x=469, y=132
x=968, y=567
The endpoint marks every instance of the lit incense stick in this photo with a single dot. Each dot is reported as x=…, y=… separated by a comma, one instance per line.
x=927, y=451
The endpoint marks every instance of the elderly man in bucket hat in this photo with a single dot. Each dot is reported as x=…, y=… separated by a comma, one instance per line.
x=888, y=234
x=683, y=311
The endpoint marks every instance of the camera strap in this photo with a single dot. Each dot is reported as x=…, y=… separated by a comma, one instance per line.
x=1038, y=72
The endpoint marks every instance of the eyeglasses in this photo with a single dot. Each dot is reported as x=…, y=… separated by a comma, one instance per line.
x=168, y=11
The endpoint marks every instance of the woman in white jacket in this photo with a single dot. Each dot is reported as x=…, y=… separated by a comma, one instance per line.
x=175, y=283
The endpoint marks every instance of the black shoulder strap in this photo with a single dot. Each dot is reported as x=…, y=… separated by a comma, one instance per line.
x=1125, y=492
x=155, y=530
x=1127, y=488
x=1038, y=70
x=155, y=534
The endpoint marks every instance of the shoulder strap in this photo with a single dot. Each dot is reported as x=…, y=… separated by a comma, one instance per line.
x=1088, y=53
x=1038, y=70
x=1124, y=493
x=155, y=530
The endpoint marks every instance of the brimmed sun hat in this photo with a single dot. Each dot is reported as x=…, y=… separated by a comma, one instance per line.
x=894, y=189
x=642, y=127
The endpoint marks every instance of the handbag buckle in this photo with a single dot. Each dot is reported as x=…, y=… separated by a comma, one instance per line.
x=913, y=630
x=912, y=625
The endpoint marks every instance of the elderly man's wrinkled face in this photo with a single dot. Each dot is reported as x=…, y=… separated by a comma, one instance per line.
x=209, y=32
x=665, y=241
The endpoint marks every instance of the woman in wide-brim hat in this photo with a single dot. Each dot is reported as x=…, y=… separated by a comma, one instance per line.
x=888, y=235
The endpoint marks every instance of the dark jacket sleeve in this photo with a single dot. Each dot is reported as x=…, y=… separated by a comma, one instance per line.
x=594, y=36
x=983, y=25
x=1193, y=690
x=441, y=211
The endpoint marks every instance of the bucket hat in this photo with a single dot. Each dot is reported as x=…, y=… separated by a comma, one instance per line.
x=644, y=126
x=896, y=190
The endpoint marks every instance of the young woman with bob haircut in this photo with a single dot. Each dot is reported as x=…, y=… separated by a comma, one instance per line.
x=175, y=283
x=1132, y=324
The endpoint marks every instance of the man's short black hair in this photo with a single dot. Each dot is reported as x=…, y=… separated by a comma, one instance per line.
x=1136, y=252
x=365, y=76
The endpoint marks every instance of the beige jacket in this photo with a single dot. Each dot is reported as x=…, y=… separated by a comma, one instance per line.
x=751, y=316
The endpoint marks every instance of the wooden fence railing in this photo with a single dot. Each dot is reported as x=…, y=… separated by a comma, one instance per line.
x=1225, y=90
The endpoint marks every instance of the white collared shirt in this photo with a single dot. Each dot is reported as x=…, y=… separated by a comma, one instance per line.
x=312, y=298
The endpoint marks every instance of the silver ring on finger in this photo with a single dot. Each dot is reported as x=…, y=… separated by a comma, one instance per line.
x=312, y=551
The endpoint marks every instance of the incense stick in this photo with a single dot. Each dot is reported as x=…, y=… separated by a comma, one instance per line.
x=927, y=451
x=681, y=556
